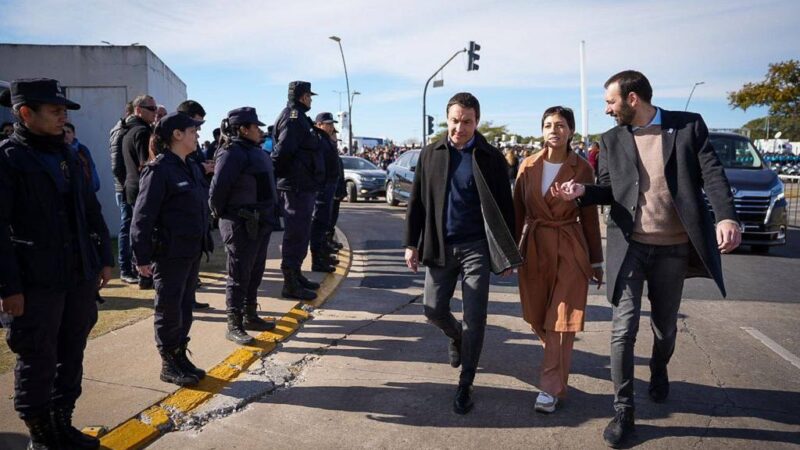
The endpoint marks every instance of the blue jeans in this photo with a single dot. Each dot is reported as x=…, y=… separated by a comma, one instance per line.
x=124, y=236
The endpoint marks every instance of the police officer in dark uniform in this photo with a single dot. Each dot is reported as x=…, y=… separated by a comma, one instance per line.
x=321, y=251
x=243, y=196
x=169, y=230
x=55, y=252
x=338, y=196
x=300, y=169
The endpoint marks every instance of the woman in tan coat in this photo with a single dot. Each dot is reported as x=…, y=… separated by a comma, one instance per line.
x=560, y=243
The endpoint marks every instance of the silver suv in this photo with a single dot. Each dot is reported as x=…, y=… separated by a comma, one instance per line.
x=363, y=179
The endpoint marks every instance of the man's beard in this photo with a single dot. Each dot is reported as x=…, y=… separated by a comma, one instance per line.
x=625, y=115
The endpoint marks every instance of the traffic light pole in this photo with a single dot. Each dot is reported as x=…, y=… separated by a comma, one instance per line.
x=425, y=97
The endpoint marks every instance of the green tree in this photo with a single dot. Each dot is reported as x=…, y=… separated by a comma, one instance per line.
x=487, y=129
x=780, y=92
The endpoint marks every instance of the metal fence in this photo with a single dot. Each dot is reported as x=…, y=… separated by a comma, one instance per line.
x=791, y=189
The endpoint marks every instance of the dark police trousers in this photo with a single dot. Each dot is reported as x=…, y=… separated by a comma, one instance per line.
x=175, y=281
x=49, y=340
x=297, y=210
x=664, y=268
x=471, y=262
x=247, y=259
x=321, y=222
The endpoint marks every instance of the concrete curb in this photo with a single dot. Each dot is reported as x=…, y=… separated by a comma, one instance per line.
x=147, y=426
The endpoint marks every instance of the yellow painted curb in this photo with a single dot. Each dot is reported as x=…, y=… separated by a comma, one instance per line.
x=150, y=424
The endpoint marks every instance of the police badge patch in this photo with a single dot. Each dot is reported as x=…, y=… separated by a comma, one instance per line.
x=293, y=114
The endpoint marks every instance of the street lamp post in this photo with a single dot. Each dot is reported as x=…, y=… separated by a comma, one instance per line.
x=338, y=40
x=690, y=94
x=425, y=96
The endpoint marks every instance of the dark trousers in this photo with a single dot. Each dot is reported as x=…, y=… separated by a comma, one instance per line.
x=321, y=219
x=664, y=269
x=470, y=261
x=335, y=215
x=175, y=281
x=247, y=259
x=49, y=340
x=297, y=209
x=124, y=236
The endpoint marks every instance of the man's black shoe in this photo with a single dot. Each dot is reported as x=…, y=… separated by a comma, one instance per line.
x=619, y=429
x=659, y=386
x=292, y=287
x=463, y=402
x=199, y=305
x=145, y=283
x=454, y=352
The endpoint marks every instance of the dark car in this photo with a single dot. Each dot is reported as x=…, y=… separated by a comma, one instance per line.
x=400, y=178
x=757, y=191
x=362, y=179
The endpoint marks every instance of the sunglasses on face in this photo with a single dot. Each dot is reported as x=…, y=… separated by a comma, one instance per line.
x=149, y=108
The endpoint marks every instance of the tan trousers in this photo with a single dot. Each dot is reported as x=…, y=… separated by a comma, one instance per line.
x=555, y=364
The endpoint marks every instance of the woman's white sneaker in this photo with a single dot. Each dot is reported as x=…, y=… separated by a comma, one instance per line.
x=545, y=403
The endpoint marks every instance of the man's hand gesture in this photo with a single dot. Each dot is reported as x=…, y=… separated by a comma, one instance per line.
x=567, y=191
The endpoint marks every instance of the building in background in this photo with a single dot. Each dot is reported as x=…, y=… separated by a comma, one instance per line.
x=102, y=79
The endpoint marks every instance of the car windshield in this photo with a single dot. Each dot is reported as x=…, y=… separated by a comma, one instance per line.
x=358, y=164
x=735, y=152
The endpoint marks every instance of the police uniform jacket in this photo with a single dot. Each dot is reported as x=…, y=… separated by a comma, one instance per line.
x=135, y=153
x=47, y=237
x=330, y=156
x=243, y=178
x=170, y=218
x=298, y=161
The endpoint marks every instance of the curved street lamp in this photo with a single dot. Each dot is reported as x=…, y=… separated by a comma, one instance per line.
x=690, y=94
x=338, y=40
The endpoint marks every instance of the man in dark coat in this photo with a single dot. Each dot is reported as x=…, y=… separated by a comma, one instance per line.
x=459, y=219
x=653, y=170
x=136, y=153
x=55, y=253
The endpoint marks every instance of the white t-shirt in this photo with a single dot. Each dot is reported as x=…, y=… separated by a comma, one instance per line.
x=549, y=175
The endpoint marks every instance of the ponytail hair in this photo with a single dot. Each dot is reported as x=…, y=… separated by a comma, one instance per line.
x=228, y=132
x=158, y=144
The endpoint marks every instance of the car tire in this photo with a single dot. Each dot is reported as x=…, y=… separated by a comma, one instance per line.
x=760, y=249
x=390, y=194
x=352, y=192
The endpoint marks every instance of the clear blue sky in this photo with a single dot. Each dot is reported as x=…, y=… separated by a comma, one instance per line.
x=238, y=53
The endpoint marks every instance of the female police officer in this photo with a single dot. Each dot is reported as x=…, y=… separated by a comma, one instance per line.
x=243, y=196
x=168, y=232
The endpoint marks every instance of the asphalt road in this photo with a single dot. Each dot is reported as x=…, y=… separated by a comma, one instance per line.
x=368, y=372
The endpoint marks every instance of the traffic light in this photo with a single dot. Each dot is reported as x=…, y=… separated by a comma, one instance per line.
x=430, y=125
x=473, y=56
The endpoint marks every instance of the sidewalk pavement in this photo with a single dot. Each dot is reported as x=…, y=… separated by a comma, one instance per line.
x=121, y=368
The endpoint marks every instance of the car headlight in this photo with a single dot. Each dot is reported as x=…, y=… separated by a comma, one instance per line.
x=777, y=191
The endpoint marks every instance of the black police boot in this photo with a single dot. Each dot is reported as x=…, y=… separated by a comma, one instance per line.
x=330, y=247
x=145, y=283
x=186, y=364
x=334, y=242
x=253, y=322
x=619, y=430
x=43, y=436
x=463, y=401
x=292, y=287
x=171, y=370
x=305, y=282
x=319, y=264
x=235, y=331
x=68, y=436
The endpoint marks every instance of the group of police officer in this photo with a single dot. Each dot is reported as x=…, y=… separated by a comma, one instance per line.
x=55, y=251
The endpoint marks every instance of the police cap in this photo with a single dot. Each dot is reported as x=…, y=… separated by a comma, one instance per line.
x=298, y=88
x=175, y=121
x=245, y=115
x=325, y=117
x=36, y=90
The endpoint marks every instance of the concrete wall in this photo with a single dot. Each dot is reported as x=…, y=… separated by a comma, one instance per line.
x=101, y=79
